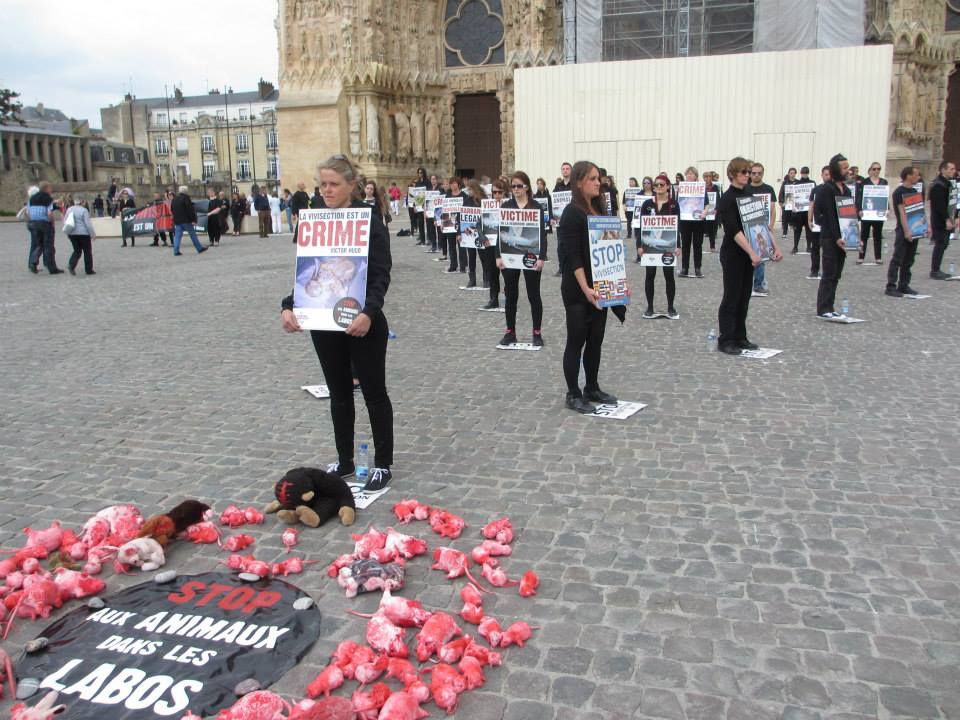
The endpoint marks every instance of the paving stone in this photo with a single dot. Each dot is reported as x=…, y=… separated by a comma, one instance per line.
x=661, y=704
x=570, y=660
x=575, y=691
x=908, y=702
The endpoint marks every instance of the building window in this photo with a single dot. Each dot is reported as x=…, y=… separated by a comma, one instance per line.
x=182, y=146
x=206, y=143
x=243, y=169
x=139, y=158
x=242, y=142
x=108, y=154
x=185, y=167
x=220, y=115
x=473, y=32
x=183, y=118
x=209, y=168
x=271, y=139
x=163, y=170
x=161, y=118
x=243, y=113
x=272, y=167
x=160, y=145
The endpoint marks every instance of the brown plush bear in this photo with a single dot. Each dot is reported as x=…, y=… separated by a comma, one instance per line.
x=312, y=496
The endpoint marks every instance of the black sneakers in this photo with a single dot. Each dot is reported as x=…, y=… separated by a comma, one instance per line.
x=909, y=291
x=893, y=292
x=730, y=349
x=599, y=396
x=379, y=478
x=493, y=304
x=939, y=275
x=578, y=404
x=509, y=338
x=341, y=470
x=747, y=345
x=537, y=340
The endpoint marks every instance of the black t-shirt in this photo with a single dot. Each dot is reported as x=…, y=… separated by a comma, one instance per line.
x=898, y=195
x=728, y=215
x=825, y=210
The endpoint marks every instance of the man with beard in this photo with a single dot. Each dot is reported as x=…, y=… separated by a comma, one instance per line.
x=832, y=247
x=759, y=188
x=786, y=216
x=942, y=221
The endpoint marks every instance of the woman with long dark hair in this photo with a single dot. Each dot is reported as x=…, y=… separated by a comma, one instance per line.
x=363, y=345
x=523, y=200
x=451, y=241
x=488, y=256
x=660, y=204
x=586, y=320
x=417, y=218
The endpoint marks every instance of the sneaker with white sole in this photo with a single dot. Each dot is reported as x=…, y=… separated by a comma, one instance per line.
x=341, y=470
x=379, y=478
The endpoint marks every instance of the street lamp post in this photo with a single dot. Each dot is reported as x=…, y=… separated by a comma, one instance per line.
x=226, y=116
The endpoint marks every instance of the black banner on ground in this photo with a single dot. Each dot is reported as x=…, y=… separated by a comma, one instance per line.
x=156, y=651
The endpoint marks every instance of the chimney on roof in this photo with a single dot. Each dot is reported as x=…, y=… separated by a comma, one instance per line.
x=215, y=91
x=40, y=109
x=178, y=94
x=264, y=89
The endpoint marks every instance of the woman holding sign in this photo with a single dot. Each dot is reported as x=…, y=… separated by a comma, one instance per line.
x=586, y=321
x=871, y=205
x=660, y=204
x=522, y=200
x=364, y=343
x=691, y=229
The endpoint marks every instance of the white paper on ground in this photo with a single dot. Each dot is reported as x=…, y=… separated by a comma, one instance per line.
x=621, y=411
x=953, y=277
x=843, y=320
x=520, y=346
x=917, y=297
x=475, y=287
x=365, y=498
x=496, y=309
x=318, y=391
x=802, y=252
x=760, y=353
x=658, y=315
x=754, y=293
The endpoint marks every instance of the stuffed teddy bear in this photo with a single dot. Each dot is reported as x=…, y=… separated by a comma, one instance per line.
x=144, y=553
x=312, y=496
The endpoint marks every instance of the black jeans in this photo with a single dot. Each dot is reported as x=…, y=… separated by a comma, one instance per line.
x=629, y=215
x=511, y=287
x=786, y=218
x=41, y=244
x=737, y=286
x=468, y=261
x=691, y=233
x=710, y=230
x=585, y=328
x=491, y=273
x=451, y=249
x=431, y=235
x=814, y=253
x=866, y=226
x=162, y=235
x=941, y=240
x=833, y=258
x=799, y=225
x=668, y=278
x=413, y=220
x=81, y=245
x=904, y=252
x=336, y=351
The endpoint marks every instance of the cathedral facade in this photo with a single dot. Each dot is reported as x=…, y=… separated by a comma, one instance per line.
x=386, y=83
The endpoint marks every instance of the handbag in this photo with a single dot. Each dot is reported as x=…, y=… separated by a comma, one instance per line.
x=68, y=223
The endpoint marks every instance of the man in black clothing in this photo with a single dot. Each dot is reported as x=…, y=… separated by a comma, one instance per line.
x=317, y=200
x=942, y=220
x=564, y=182
x=813, y=229
x=40, y=209
x=904, y=244
x=299, y=201
x=184, y=217
x=786, y=216
x=798, y=218
x=738, y=260
x=758, y=187
x=213, y=218
x=111, y=195
x=832, y=247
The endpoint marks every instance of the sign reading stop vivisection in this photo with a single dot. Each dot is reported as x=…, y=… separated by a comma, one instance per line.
x=156, y=651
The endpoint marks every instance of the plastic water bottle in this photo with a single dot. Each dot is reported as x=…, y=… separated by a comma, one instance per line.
x=845, y=305
x=363, y=462
x=953, y=269
x=712, y=340
x=391, y=335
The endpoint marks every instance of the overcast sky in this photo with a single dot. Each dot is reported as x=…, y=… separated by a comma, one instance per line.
x=85, y=55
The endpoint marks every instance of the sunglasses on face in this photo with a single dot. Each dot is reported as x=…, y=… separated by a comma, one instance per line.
x=498, y=192
x=874, y=168
x=518, y=187
x=660, y=185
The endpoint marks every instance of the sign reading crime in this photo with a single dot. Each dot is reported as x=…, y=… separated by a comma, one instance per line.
x=156, y=651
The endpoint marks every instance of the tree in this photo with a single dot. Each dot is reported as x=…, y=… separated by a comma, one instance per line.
x=9, y=107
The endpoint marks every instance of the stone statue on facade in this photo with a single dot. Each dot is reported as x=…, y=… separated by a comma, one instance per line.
x=908, y=100
x=386, y=134
x=432, y=136
x=353, y=124
x=403, y=134
x=416, y=133
x=373, y=127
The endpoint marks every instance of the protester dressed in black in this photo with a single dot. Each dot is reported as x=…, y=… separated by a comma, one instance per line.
x=660, y=204
x=904, y=243
x=563, y=182
x=712, y=192
x=457, y=254
x=813, y=229
x=942, y=216
x=213, y=217
x=868, y=227
x=786, y=216
x=738, y=260
x=691, y=236
x=418, y=217
x=488, y=256
x=798, y=217
x=520, y=186
x=364, y=343
x=832, y=248
x=586, y=321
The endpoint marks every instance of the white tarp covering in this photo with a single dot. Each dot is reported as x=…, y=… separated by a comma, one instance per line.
x=792, y=25
x=583, y=30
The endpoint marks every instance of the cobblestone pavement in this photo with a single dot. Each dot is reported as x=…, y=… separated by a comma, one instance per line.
x=768, y=539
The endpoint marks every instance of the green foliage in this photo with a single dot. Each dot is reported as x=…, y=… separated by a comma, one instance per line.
x=9, y=107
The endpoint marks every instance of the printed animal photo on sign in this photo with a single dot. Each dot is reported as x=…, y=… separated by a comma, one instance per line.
x=322, y=281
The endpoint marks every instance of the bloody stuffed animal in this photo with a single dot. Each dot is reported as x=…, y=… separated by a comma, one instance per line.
x=312, y=496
